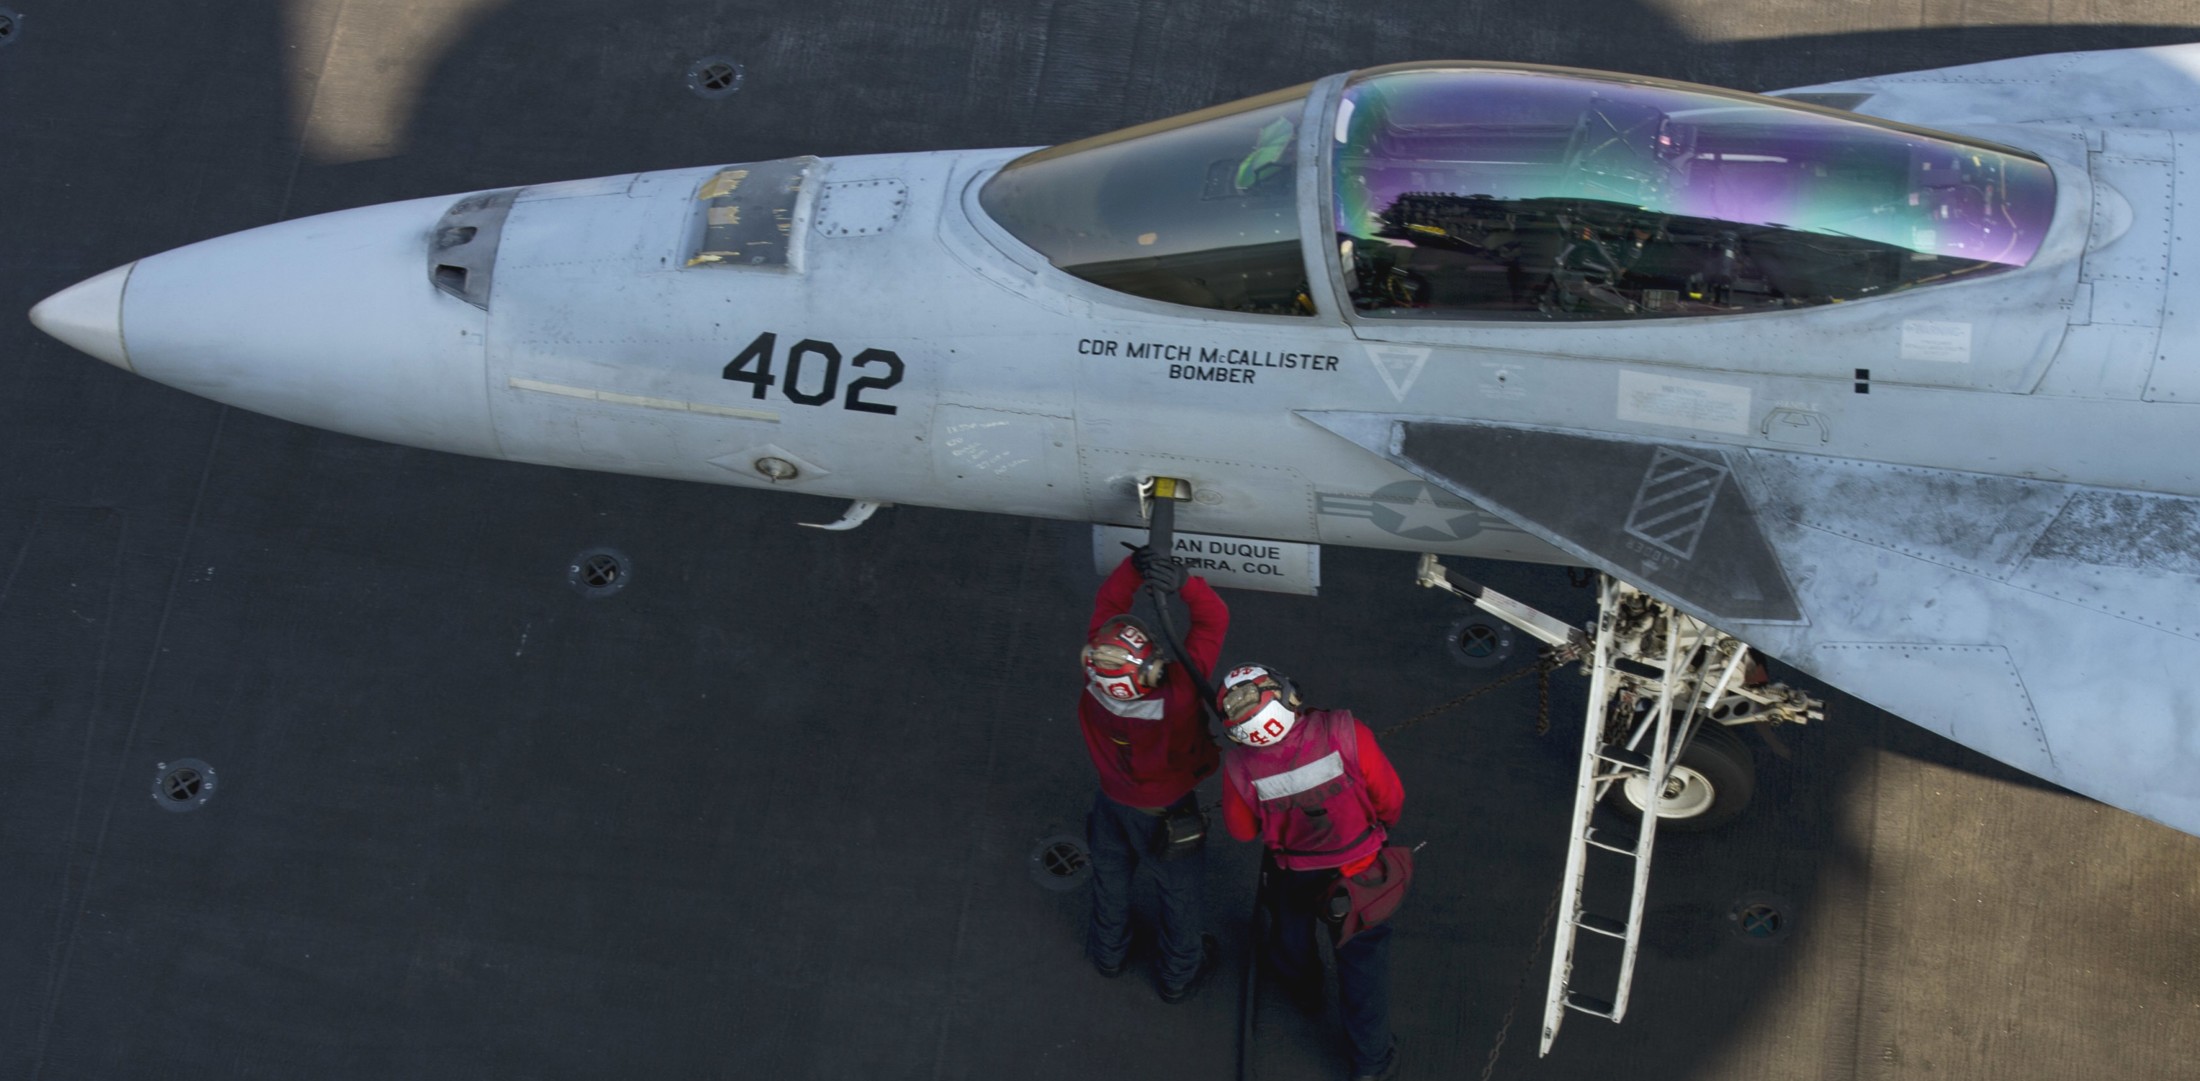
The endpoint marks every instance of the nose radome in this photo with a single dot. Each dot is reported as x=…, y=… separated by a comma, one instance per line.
x=87, y=316
x=331, y=321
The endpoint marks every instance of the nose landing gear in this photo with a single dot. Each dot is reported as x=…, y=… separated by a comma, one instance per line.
x=1665, y=689
x=1709, y=786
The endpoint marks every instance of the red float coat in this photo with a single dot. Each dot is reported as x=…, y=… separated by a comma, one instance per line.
x=1152, y=762
x=1350, y=797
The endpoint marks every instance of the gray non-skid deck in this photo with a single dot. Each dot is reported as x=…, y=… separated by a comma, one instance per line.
x=768, y=811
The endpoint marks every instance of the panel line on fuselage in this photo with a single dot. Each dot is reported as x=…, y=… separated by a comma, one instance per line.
x=615, y=398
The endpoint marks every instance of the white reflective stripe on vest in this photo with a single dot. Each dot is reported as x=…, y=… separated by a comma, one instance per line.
x=1314, y=774
x=1148, y=708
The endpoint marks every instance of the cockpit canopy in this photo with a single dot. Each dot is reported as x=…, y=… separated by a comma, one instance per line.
x=1200, y=209
x=1508, y=193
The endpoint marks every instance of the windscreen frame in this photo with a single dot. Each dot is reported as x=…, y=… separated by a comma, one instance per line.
x=1316, y=100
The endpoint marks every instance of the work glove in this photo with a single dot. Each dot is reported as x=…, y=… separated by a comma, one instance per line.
x=1164, y=573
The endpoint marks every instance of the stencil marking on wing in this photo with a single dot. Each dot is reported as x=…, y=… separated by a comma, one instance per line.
x=1675, y=500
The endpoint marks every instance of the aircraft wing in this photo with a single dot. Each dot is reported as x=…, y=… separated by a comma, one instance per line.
x=2051, y=626
x=2110, y=88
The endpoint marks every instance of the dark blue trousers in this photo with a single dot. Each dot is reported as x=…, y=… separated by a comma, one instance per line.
x=1363, y=964
x=1122, y=839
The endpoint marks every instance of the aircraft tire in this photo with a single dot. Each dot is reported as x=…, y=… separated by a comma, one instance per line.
x=1718, y=776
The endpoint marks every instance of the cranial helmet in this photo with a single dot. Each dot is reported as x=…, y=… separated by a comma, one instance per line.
x=1120, y=659
x=1258, y=704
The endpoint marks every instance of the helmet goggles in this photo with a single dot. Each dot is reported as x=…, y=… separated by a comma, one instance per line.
x=1258, y=707
x=1120, y=662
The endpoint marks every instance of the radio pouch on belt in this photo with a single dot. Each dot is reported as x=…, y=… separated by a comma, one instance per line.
x=1358, y=902
x=1183, y=830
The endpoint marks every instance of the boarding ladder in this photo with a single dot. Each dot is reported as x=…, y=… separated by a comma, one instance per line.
x=1655, y=675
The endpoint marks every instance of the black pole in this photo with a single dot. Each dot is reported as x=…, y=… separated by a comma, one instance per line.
x=1161, y=529
x=1161, y=537
x=1249, y=992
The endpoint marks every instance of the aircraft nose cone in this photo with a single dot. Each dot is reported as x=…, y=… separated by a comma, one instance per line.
x=87, y=316
x=332, y=321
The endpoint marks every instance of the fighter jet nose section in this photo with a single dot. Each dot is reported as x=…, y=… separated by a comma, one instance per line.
x=331, y=321
x=87, y=316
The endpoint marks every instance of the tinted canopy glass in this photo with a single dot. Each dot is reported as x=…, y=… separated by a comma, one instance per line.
x=1196, y=210
x=1523, y=194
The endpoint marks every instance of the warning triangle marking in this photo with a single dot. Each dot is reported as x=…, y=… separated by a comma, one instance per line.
x=1399, y=366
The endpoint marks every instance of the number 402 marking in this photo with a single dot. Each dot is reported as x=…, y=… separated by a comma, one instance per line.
x=754, y=367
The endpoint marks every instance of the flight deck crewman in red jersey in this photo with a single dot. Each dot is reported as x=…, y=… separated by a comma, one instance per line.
x=1144, y=727
x=1319, y=793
